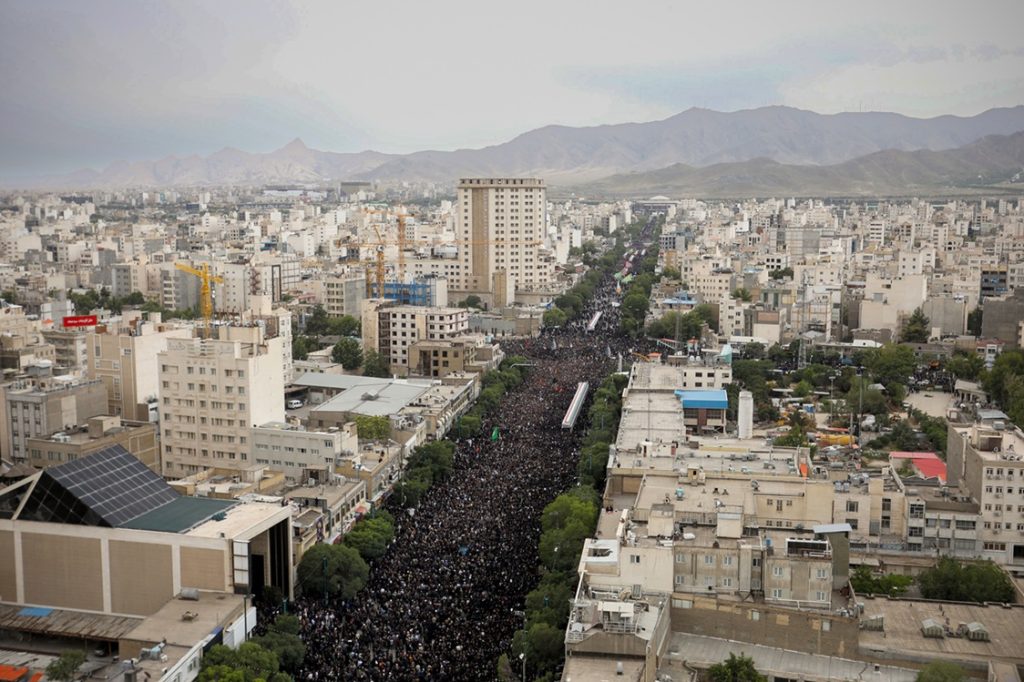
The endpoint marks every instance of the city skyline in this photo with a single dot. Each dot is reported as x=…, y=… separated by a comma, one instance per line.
x=119, y=82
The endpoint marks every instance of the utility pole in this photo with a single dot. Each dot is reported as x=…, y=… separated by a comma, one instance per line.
x=860, y=408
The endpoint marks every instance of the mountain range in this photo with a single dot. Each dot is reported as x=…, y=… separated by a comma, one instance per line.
x=731, y=153
x=982, y=165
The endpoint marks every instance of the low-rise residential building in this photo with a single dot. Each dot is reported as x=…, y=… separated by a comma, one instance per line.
x=69, y=349
x=41, y=405
x=326, y=511
x=343, y=294
x=986, y=462
x=303, y=455
x=466, y=353
x=399, y=327
x=138, y=438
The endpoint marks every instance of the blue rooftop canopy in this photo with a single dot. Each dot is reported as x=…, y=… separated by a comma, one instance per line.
x=715, y=399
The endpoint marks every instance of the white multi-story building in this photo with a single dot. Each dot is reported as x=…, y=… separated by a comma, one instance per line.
x=500, y=230
x=302, y=454
x=211, y=394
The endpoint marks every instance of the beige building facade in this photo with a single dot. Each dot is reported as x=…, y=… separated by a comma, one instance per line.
x=123, y=355
x=211, y=394
x=40, y=407
x=501, y=227
x=138, y=438
x=399, y=327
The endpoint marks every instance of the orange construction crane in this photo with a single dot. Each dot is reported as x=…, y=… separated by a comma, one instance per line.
x=205, y=293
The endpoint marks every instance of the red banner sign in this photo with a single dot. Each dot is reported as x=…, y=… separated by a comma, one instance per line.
x=80, y=321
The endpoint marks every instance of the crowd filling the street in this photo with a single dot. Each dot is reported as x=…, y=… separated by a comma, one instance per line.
x=444, y=601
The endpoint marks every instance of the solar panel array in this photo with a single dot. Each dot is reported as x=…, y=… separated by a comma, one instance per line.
x=112, y=484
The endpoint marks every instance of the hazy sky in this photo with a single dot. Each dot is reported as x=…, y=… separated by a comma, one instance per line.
x=86, y=83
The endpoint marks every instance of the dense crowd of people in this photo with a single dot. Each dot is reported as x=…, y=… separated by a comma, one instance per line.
x=444, y=601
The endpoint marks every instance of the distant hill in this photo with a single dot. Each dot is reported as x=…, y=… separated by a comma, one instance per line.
x=987, y=162
x=293, y=163
x=700, y=137
x=565, y=155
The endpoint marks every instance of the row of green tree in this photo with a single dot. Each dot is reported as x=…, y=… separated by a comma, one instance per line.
x=603, y=426
x=102, y=299
x=683, y=325
x=1004, y=382
x=866, y=581
x=273, y=657
x=347, y=351
x=570, y=304
x=430, y=463
x=637, y=300
x=919, y=431
x=948, y=580
x=741, y=669
x=952, y=580
x=565, y=524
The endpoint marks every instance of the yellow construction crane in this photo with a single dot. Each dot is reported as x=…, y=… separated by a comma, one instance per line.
x=380, y=266
x=205, y=293
x=401, y=215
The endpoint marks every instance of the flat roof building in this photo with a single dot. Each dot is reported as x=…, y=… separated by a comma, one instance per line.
x=106, y=534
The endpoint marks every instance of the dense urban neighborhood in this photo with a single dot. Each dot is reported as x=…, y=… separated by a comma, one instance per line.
x=367, y=433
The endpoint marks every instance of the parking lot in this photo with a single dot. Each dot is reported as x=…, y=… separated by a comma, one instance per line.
x=932, y=403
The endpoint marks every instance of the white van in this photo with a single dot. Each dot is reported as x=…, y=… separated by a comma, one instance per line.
x=294, y=404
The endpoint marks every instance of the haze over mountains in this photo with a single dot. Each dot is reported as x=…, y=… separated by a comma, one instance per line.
x=770, y=150
x=990, y=161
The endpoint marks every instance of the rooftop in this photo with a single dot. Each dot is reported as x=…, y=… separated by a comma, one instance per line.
x=180, y=515
x=703, y=652
x=211, y=609
x=602, y=668
x=65, y=623
x=242, y=521
x=712, y=399
x=109, y=488
x=995, y=444
x=902, y=636
x=364, y=395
